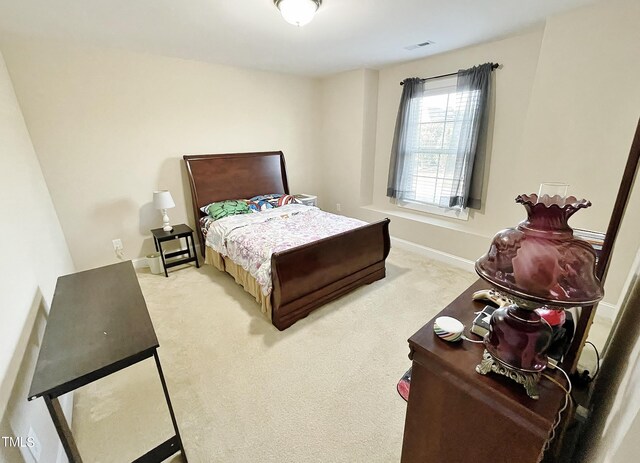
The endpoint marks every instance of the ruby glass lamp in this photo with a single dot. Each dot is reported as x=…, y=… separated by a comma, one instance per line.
x=538, y=264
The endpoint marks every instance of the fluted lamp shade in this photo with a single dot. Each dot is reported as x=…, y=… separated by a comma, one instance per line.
x=298, y=12
x=538, y=263
x=162, y=200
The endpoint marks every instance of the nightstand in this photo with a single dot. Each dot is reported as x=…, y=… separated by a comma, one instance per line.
x=179, y=231
x=307, y=200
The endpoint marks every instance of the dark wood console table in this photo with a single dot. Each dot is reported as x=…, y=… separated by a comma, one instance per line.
x=456, y=415
x=98, y=324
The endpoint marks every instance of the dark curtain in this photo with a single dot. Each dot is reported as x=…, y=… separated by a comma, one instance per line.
x=473, y=88
x=412, y=87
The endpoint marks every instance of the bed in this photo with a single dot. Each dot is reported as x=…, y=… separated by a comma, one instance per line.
x=304, y=277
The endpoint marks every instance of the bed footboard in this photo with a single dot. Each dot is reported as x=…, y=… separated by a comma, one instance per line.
x=311, y=275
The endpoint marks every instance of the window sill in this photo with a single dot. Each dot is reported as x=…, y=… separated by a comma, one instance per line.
x=420, y=217
x=458, y=214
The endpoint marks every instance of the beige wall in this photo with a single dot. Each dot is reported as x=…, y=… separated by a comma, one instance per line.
x=341, y=139
x=111, y=126
x=519, y=56
x=584, y=109
x=35, y=254
x=565, y=108
x=347, y=138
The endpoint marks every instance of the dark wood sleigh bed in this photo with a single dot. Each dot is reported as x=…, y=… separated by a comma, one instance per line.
x=304, y=277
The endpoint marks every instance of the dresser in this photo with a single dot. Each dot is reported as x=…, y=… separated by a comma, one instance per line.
x=457, y=415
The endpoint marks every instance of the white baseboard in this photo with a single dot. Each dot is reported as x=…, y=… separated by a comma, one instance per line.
x=140, y=262
x=605, y=312
x=434, y=254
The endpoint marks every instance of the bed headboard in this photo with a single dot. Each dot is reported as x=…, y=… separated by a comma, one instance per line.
x=216, y=177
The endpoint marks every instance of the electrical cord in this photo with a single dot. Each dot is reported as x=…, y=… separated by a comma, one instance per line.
x=566, y=390
x=567, y=395
x=472, y=340
x=583, y=378
x=597, y=360
x=557, y=383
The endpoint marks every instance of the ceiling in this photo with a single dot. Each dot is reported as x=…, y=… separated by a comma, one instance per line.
x=345, y=34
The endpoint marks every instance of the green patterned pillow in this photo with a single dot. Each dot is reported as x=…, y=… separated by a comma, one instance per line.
x=226, y=208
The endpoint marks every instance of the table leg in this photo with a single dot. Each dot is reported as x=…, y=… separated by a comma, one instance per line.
x=166, y=396
x=195, y=252
x=155, y=243
x=164, y=263
x=186, y=240
x=64, y=432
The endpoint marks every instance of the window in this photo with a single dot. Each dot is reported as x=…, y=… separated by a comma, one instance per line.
x=436, y=160
x=434, y=133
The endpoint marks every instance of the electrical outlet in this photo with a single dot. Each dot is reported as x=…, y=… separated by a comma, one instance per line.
x=338, y=207
x=33, y=444
x=118, y=248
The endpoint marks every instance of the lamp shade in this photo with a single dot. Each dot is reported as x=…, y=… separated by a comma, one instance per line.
x=298, y=12
x=540, y=262
x=162, y=199
x=537, y=263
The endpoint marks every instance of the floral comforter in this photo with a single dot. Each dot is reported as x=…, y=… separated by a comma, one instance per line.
x=250, y=239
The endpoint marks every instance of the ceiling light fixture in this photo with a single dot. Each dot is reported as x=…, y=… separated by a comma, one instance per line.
x=298, y=12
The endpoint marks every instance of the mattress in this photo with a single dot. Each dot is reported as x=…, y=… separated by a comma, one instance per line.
x=249, y=240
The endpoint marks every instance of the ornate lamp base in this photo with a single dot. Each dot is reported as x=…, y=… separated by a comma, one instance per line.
x=527, y=379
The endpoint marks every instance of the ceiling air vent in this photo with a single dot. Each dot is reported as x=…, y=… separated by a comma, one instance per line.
x=418, y=45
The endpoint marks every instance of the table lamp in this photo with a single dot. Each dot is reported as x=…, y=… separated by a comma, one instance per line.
x=537, y=264
x=162, y=200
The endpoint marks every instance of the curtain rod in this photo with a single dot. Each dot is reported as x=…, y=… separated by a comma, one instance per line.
x=493, y=66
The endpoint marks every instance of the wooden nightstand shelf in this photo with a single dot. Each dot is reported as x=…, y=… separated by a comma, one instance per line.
x=179, y=231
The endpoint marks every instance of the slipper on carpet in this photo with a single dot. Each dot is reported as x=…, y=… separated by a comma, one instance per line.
x=404, y=385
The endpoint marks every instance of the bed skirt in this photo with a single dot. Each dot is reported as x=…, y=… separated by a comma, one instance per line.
x=242, y=277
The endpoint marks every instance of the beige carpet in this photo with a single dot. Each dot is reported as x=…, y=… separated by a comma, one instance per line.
x=321, y=391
